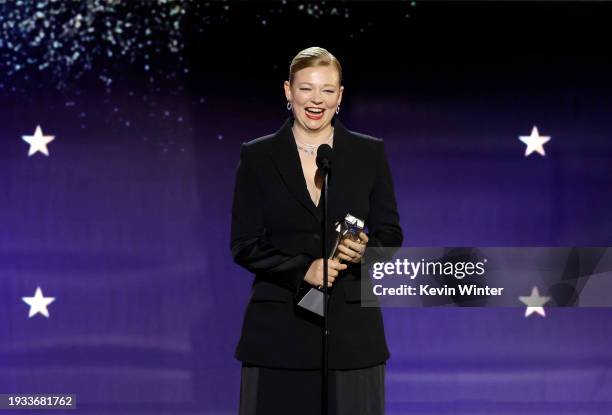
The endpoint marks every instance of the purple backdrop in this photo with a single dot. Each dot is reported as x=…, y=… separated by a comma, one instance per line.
x=126, y=222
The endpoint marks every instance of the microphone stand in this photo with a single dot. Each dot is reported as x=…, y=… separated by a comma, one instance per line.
x=325, y=332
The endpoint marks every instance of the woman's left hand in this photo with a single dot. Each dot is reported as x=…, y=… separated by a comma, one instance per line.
x=352, y=251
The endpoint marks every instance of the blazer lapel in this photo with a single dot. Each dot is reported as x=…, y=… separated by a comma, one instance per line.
x=287, y=160
x=340, y=174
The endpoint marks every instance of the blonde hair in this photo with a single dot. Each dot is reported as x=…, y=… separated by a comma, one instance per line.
x=311, y=57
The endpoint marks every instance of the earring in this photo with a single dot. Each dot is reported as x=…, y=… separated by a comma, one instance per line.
x=337, y=109
x=289, y=105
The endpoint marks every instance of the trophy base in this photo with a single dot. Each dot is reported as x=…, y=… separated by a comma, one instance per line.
x=313, y=301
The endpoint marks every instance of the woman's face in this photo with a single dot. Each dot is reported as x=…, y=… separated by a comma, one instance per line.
x=314, y=96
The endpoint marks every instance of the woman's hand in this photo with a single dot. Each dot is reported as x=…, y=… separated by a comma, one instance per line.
x=352, y=251
x=314, y=275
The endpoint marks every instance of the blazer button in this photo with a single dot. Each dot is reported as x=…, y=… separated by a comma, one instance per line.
x=316, y=237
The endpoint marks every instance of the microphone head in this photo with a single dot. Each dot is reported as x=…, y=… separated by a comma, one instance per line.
x=324, y=156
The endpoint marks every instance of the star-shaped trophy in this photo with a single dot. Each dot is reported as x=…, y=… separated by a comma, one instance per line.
x=350, y=227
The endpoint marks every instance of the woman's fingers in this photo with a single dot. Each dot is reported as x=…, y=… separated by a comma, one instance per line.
x=330, y=281
x=357, y=247
x=363, y=237
x=351, y=251
x=344, y=257
x=333, y=270
x=348, y=252
x=335, y=264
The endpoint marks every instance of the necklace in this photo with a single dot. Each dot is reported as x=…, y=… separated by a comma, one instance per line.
x=311, y=149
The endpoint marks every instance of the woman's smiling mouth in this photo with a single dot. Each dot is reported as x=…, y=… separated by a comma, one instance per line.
x=314, y=113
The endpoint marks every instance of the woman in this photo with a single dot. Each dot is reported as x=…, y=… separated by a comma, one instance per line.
x=275, y=235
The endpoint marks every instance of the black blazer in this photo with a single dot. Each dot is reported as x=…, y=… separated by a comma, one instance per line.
x=275, y=235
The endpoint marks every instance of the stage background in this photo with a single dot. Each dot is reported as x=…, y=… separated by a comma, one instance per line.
x=126, y=222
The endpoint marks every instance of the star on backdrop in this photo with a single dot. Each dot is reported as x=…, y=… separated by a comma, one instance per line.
x=535, y=142
x=534, y=302
x=38, y=142
x=38, y=303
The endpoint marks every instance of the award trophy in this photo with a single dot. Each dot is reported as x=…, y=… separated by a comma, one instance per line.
x=350, y=227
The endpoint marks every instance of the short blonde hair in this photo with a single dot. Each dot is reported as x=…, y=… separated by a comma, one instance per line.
x=311, y=57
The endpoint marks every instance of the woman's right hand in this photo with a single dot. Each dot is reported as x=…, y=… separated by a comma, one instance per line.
x=314, y=275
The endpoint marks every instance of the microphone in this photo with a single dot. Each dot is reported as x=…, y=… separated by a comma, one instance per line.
x=324, y=157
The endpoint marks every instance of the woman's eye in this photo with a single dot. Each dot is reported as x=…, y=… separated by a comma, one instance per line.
x=304, y=89
x=331, y=92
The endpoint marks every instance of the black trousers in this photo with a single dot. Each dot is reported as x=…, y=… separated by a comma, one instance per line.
x=271, y=391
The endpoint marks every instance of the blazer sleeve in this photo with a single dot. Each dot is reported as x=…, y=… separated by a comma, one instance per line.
x=249, y=246
x=383, y=218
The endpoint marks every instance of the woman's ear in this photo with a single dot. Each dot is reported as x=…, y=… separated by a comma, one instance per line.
x=287, y=87
x=340, y=95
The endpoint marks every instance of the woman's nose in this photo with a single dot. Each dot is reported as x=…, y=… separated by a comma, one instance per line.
x=316, y=99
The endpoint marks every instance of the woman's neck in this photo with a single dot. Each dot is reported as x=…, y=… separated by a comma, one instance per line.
x=312, y=137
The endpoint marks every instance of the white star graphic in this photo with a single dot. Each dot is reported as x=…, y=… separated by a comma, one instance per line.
x=38, y=142
x=38, y=303
x=534, y=303
x=535, y=142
